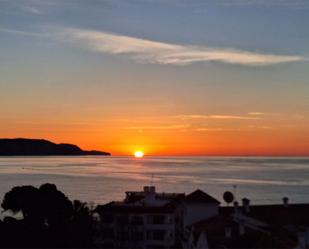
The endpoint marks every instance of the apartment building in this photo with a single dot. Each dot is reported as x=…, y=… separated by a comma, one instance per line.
x=147, y=219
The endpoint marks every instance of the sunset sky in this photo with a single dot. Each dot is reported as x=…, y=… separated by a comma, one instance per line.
x=168, y=77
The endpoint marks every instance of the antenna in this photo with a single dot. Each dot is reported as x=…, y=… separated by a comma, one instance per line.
x=151, y=182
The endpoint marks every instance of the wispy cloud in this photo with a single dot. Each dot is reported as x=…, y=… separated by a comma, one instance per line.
x=27, y=6
x=246, y=128
x=228, y=117
x=165, y=127
x=261, y=127
x=285, y=3
x=24, y=33
x=32, y=10
x=256, y=113
x=148, y=51
x=207, y=129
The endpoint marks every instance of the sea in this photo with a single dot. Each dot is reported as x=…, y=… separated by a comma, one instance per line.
x=99, y=180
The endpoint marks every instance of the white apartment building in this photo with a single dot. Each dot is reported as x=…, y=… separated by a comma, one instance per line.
x=147, y=219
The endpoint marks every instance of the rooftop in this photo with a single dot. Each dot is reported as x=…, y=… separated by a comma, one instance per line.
x=149, y=201
x=215, y=228
x=201, y=197
x=129, y=209
x=137, y=196
x=292, y=214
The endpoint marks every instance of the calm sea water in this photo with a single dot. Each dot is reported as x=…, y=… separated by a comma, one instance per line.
x=102, y=179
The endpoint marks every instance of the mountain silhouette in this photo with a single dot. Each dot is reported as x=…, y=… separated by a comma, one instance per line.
x=41, y=147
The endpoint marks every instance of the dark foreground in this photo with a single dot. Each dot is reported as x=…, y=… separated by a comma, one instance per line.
x=148, y=219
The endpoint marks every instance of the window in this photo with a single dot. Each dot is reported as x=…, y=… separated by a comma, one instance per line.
x=137, y=236
x=155, y=247
x=156, y=235
x=156, y=219
x=122, y=235
x=122, y=220
x=107, y=218
x=107, y=233
x=137, y=220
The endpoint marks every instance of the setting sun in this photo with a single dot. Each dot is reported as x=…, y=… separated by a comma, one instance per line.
x=139, y=154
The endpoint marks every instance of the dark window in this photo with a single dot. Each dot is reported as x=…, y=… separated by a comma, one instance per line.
x=122, y=220
x=155, y=247
x=107, y=218
x=156, y=219
x=137, y=220
x=156, y=235
x=108, y=245
x=107, y=233
x=137, y=236
x=122, y=236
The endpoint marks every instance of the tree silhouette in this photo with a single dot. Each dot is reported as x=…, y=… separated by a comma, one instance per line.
x=82, y=224
x=45, y=205
x=25, y=199
x=55, y=206
x=50, y=219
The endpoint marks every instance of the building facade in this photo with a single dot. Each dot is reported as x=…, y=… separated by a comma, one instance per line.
x=147, y=219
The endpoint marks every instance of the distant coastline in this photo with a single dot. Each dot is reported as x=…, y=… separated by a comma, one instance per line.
x=42, y=147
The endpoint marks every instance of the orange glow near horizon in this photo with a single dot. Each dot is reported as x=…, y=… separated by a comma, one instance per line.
x=168, y=136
